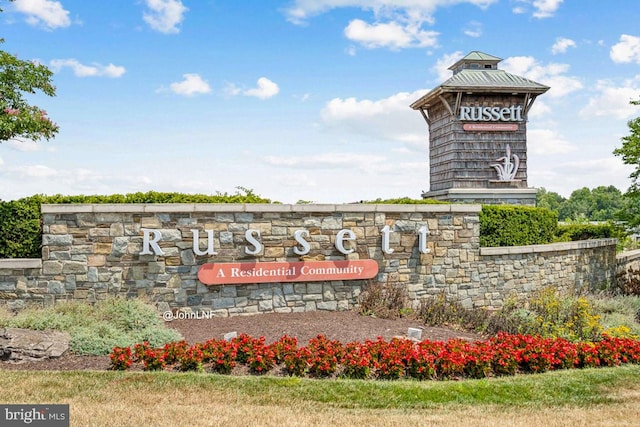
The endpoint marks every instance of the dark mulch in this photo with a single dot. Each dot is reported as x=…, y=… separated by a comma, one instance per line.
x=343, y=326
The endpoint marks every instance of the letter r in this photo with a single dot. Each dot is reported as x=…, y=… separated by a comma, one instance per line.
x=147, y=242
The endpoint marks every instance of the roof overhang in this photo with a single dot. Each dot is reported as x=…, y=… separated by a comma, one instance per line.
x=432, y=97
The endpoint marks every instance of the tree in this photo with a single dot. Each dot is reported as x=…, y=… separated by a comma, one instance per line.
x=630, y=153
x=549, y=199
x=19, y=119
x=599, y=204
x=630, y=150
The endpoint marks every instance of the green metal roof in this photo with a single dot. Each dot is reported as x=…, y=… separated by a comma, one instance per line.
x=498, y=79
x=481, y=80
x=477, y=56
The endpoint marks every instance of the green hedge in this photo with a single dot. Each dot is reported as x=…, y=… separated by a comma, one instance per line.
x=20, y=220
x=407, y=201
x=20, y=228
x=508, y=225
x=572, y=232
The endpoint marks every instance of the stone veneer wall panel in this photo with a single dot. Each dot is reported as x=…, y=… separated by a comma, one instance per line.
x=91, y=252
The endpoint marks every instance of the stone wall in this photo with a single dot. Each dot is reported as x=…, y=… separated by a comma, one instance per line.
x=91, y=252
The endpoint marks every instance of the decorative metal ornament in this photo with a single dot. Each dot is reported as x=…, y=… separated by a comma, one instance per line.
x=507, y=170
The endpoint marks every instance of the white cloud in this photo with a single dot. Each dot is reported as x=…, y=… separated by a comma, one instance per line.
x=20, y=180
x=81, y=70
x=265, y=89
x=35, y=171
x=416, y=10
x=388, y=118
x=550, y=75
x=442, y=65
x=165, y=15
x=48, y=13
x=547, y=141
x=561, y=45
x=191, y=85
x=364, y=162
x=540, y=108
x=613, y=101
x=397, y=23
x=392, y=35
x=546, y=8
x=542, y=8
x=627, y=50
x=473, y=29
x=28, y=145
x=564, y=177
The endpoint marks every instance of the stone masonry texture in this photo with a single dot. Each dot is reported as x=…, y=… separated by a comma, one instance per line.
x=92, y=252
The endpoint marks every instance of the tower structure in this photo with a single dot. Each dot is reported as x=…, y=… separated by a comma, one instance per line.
x=478, y=133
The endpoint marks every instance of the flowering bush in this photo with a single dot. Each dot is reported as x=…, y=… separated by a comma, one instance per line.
x=284, y=347
x=219, y=355
x=297, y=363
x=151, y=358
x=357, y=361
x=174, y=351
x=191, y=359
x=504, y=354
x=120, y=358
x=323, y=356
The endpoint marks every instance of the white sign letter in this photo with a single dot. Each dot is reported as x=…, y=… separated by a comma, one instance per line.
x=385, y=240
x=423, y=232
x=153, y=243
x=298, y=235
x=464, y=113
x=341, y=237
x=257, y=246
x=196, y=243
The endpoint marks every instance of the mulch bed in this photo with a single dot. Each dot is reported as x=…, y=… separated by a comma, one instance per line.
x=343, y=326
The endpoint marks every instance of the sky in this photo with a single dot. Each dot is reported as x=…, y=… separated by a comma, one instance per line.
x=306, y=100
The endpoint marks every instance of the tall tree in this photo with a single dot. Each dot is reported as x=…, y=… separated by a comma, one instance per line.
x=630, y=153
x=19, y=119
x=599, y=204
x=630, y=150
x=549, y=199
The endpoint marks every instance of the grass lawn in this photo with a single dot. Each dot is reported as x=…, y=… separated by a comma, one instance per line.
x=598, y=397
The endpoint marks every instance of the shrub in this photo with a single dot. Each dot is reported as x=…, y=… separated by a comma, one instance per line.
x=438, y=311
x=508, y=225
x=324, y=356
x=545, y=313
x=571, y=318
x=407, y=201
x=121, y=358
x=573, y=232
x=384, y=300
x=20, y=228
x=96, y=329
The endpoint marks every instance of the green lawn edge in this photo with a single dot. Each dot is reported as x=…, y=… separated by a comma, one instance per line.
x=576, y=388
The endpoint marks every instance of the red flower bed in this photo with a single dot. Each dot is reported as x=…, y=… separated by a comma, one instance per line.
x=503, y=354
